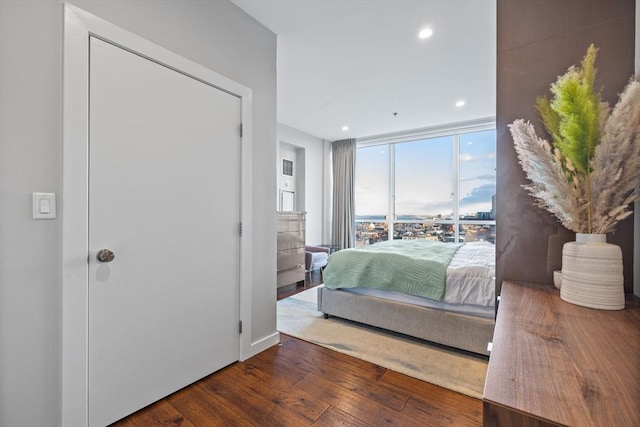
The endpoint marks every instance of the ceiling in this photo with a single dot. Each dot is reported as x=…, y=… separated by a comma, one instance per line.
x=357, y=63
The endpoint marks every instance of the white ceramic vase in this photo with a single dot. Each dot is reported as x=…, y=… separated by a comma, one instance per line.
x=592, y=273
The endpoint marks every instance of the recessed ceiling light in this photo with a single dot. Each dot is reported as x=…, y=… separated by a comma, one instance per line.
x=425, y=33
x=345, y=128
x=460, y=103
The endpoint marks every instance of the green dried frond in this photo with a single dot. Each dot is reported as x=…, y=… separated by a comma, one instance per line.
x=550, y=118
x=578, y=107
x=588, y=69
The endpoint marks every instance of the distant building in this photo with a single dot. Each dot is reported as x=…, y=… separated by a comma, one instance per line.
x=484, y=215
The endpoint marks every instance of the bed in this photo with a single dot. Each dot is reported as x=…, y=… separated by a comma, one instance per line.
x=439, y=292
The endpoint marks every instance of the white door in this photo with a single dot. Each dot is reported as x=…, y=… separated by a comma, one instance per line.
x=164, y=197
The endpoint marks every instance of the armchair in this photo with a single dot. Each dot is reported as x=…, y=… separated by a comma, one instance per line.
x=315, y=257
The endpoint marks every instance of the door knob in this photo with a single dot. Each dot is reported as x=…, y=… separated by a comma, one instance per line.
x=105, y=255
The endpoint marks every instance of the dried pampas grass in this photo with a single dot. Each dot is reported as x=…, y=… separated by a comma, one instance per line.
x=591, y=197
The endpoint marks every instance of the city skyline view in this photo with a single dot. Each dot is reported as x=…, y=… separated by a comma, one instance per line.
x=425, y=181
x=438, y=188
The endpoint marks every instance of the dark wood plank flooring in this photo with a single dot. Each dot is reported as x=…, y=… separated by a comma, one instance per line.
x=297, y=384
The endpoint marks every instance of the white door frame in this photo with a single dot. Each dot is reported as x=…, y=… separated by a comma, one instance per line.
x=79, y=25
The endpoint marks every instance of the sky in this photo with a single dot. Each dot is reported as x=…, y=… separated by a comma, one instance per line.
x=425, y=179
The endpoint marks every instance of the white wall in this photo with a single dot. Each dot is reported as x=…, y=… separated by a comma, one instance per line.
x=217, y=35
x=315, y=184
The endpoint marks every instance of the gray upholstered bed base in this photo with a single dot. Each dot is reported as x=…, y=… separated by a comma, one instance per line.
x=463, y=331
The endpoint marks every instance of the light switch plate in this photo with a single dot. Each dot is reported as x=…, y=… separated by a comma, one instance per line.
x=43, y=202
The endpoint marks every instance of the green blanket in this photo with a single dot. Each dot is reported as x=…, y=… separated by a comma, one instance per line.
x=416, y=267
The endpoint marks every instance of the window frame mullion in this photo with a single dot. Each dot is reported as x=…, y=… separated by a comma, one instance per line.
x=391, y=217
x=456, y=187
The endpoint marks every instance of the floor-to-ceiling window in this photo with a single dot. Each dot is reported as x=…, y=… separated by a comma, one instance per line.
x=372, y=194
x=438, y=187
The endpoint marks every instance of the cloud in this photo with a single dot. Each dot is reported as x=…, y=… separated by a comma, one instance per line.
x=466, y=157
x=487, y=177
x=481, y=194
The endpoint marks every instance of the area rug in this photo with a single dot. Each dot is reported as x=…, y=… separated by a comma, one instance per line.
x=458, y=371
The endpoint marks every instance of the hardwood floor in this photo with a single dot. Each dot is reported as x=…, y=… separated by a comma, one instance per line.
x=297, y=384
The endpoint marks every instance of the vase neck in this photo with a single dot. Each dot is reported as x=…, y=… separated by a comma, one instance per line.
x=591, y=238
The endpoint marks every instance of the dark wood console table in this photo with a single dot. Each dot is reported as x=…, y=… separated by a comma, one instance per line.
x=555, y=363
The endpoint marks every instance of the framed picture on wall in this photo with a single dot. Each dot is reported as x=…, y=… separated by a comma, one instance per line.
x=287, y=167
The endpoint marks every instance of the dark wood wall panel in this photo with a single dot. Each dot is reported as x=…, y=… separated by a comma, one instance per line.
x=537, y=40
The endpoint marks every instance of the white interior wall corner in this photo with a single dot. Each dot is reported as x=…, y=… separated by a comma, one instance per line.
x=217, y=35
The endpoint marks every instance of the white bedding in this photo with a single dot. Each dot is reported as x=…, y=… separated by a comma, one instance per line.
x=471, y=275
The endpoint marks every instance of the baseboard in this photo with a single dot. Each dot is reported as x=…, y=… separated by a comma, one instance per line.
x=263, y=344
